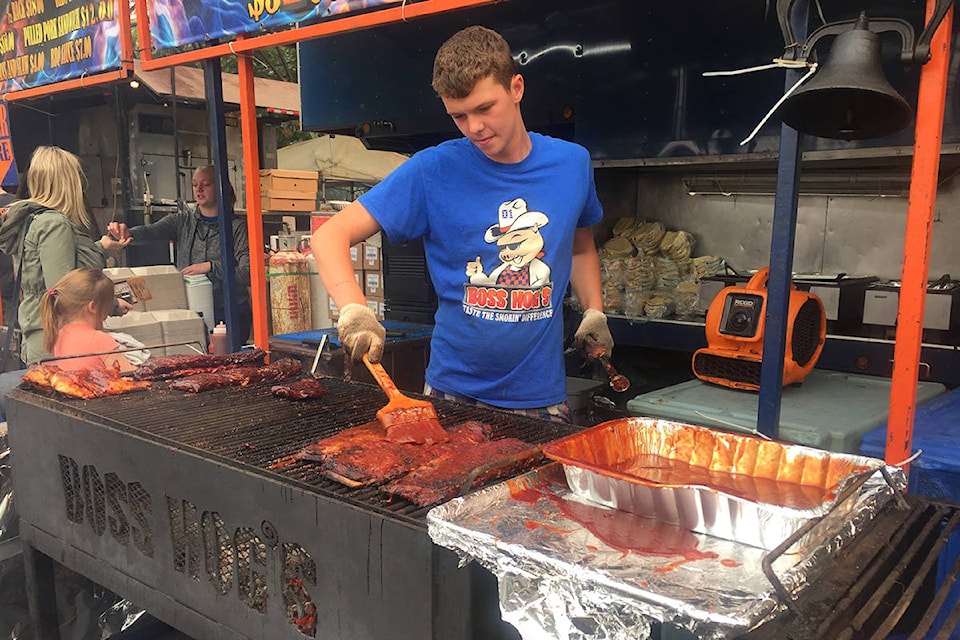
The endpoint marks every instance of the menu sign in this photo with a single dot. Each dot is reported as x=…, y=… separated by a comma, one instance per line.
x=174, y=22
x=46, y=41
x=8, y=166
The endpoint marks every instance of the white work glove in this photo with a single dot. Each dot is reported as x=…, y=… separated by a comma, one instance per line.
x=360, y=332
x=594, y=324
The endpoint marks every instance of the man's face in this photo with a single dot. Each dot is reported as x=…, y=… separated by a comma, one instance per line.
x=519, y=248
x=205, y=188
x=490, y=117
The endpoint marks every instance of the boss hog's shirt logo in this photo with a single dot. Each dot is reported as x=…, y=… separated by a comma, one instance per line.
x=508, y=304
x=519, y=288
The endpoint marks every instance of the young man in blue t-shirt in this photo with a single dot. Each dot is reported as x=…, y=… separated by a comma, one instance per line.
x=506, y=219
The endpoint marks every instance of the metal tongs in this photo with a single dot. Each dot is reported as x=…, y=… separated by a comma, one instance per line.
x=125, y=350
x=597, y=351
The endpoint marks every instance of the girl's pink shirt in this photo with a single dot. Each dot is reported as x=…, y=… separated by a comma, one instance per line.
x=76, y=338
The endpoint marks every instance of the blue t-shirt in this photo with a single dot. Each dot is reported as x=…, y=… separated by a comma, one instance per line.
x=498, y=241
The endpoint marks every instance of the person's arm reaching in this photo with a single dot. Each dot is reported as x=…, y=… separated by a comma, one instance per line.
x=585, y=280
x=358, y=329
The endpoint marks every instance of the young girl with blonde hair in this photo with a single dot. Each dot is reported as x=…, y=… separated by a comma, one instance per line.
x=72, y=314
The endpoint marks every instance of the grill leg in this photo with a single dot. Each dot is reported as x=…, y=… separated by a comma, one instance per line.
x=41, y=596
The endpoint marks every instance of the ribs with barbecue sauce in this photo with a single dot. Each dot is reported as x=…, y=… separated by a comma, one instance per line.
x=304, y=389
x=184, y=365
x=82, y=383
x=423, y=474
x=237, y=376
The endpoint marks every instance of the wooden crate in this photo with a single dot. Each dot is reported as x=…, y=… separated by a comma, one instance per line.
x=274, y=200
x=289, y=180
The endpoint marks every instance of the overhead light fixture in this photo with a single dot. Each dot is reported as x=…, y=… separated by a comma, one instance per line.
x=134, y=84
x=823, y=183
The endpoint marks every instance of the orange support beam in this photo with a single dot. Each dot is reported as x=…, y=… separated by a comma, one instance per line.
x=916, y=247
x=66, y=85
x=349, y=22
x=251, y=164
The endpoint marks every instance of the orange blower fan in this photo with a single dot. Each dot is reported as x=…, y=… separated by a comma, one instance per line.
x=735, y=323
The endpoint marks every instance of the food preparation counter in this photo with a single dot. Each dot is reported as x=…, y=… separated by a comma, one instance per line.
x=829, y=410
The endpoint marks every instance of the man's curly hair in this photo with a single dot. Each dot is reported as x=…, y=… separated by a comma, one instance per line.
x=469, y=56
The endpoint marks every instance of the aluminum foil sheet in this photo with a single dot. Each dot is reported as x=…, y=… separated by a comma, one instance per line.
x=569, y=568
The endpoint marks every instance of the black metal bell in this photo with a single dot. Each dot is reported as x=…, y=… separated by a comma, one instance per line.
x=849, y=97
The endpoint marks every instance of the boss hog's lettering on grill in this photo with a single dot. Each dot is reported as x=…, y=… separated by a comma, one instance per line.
x=246, y=553
x=203, y=547
x=107, y=504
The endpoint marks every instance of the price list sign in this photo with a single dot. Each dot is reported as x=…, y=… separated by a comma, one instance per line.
x=175, y=23
x=47, y=41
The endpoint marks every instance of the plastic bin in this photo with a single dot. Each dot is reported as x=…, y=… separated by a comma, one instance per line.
x=830, y=410
x=936, y=473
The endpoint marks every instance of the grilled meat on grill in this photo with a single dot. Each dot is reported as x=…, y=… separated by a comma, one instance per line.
x=364, y=455
x=443, y=477
x=304, y=389
x=182, y=365
x=81, y=383
x=237, y=376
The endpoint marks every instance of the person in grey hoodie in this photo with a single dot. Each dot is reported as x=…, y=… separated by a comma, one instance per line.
x=47, y=235
x=197, y=235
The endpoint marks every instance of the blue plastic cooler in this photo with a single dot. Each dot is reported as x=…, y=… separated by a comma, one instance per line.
x=936, y=473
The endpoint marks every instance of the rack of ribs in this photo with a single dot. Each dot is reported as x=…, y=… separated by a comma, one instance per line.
x=237, y=376
x=166, y=367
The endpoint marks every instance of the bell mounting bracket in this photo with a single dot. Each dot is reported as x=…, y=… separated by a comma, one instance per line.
x=910, y=53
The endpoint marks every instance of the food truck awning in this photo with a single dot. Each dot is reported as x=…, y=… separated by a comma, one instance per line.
x=282, y=98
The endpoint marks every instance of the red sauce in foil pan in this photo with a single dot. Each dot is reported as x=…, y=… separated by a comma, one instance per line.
x=732, y=486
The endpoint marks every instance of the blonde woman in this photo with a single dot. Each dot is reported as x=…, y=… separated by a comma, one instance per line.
x=47, y=235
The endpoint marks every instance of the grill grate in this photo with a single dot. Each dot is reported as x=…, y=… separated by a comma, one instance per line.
x=250, y=426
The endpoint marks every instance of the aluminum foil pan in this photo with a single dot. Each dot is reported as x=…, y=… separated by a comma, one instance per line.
x=571, y=568
x=733, y=486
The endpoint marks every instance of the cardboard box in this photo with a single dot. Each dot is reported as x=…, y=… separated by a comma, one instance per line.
x=371, y=257
x=287, y=201
x=164, y=282
x=356, y=256
x=180, y=325
x=141, y=325
x=289, y=180
x=373, y=285
x=358, y=276
x=377, y=307
x=332, y=308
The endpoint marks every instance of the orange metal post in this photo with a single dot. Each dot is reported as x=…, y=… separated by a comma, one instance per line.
x=916, y=246
x=251, y=164
x=143, y=31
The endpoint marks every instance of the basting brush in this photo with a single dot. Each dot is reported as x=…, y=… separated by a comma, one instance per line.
x=404, y=418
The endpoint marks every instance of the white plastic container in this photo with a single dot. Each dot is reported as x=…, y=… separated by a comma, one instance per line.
x=319, y=310
x=200, y=298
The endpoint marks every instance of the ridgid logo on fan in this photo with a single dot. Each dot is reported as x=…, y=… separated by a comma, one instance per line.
x=515, y=285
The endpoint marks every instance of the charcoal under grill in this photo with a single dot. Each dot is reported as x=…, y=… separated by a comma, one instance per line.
x=170, y=500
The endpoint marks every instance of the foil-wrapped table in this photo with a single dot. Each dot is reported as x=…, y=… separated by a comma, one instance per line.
x=568, y=568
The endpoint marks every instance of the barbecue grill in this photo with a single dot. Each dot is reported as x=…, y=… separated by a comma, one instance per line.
x=175, y=502
x=169, y=500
